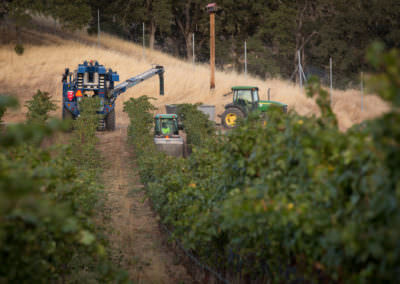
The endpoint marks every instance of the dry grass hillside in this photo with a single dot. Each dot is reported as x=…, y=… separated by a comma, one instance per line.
x=49, y=51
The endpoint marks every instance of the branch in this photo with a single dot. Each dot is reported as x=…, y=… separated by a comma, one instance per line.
x=307, y=39
x=300, y=16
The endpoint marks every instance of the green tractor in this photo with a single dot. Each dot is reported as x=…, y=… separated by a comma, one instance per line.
x=246, y=100
x=166, y=125
x=166, y=135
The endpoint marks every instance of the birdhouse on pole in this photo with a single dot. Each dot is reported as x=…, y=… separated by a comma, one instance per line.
x=212, y=7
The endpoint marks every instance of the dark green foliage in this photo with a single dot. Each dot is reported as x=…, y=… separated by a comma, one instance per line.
x=2, y=111
x=322, y=98
x=39, y=107
x=140, y=115
x=156, y=14
x=72, y=15
x=6, y=102
x=84, y=136
x=196, y=124
x=292, y=192
x=48, y=201
x=386, y=81
x=152, y=164
x=39, y=229
x=274, y=31
x=19, y=49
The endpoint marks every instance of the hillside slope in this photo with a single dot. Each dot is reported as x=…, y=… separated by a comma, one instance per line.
x=50, y=50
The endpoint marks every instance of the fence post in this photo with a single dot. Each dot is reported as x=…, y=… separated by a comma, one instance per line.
x=194, y=61
x=362, y=91
x=144, y=55
x=245, y=58
x=330, y=78
x=300, y=75
x=98, y=27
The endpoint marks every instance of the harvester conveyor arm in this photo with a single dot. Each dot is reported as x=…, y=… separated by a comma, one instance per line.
x=121, y=88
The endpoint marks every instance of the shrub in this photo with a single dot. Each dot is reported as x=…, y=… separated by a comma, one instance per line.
x=196, y=124
x=19, y=49
x=39, y=107
x=47, y=205
x=84, y=137
x=6, y=102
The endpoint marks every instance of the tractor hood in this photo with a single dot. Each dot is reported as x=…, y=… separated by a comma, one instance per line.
x=264, y=105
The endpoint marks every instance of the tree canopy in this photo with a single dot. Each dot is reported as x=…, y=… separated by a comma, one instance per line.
x=275, y=30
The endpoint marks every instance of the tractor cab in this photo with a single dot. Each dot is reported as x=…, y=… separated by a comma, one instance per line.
x=246, y=97
x=166, y=125
x=166, y=135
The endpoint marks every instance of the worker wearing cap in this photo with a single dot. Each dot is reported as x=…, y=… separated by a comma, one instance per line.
x=165, y=129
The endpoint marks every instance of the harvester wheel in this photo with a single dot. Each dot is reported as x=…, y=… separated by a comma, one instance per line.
x=229, y=117
x=110, y=120
x=66, y=114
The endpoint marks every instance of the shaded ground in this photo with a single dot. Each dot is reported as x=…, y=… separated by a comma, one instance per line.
x=136, y=241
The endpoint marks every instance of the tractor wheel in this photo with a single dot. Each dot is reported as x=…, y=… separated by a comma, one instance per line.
x=110, y=121
x=229, y=117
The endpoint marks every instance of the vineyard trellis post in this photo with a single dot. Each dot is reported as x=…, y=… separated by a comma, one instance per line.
x=330, y=79
x=245, y=58
x=144, y=55
x=194, y=61
x=362, y=91
x=299, y=67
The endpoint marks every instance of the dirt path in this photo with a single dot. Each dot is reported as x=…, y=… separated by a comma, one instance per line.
x=136, y=241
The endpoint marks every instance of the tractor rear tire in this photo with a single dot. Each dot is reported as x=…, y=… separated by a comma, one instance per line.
x=110, y=121
x=229, y=117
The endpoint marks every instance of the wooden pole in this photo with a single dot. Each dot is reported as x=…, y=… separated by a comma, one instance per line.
x=212, y=50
